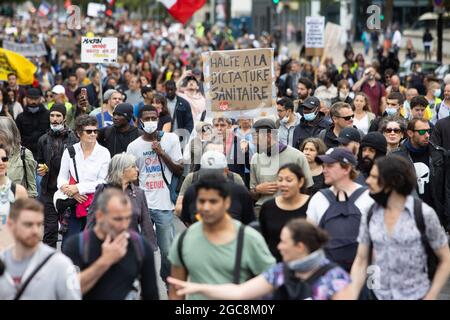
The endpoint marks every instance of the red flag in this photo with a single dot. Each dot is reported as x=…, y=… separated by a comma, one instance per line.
x=182, y=10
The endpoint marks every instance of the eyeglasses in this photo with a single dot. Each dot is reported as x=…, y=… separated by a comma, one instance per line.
x=88, y=131
x=423, y=131
x=390, y=130
x=347, y=118
x=4, y=159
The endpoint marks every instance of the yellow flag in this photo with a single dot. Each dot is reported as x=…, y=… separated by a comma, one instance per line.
x=14, y=62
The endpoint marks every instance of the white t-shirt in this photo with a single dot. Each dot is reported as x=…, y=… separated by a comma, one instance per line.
x=150, y=175
x=319, y=204
x=362, y=124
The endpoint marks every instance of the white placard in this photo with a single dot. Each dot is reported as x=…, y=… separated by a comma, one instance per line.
x=94, y=9
x=26, y=49
x=98, y=50
x=315, y=32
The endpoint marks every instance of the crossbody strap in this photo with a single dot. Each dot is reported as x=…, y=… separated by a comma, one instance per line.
x=71, y=150
x=238, y=259
x=27, y=282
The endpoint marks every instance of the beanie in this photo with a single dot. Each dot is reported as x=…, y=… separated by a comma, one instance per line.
x=375, y=140
x=59, y=107
x=124, y=109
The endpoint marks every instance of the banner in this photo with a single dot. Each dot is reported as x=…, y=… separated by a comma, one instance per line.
x=14, y=62
x=65, y=44
x=26, y=49
x=240, y=83
x=98, y=50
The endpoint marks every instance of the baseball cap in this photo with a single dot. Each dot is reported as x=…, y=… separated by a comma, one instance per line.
x=58, y=89
x=311, y=103
x=34, y=93
x=264, y=123
x=146, y=88
x=213, y=160
x=338, y=155
x=348, y=135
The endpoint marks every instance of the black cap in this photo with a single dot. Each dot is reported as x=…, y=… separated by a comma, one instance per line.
x=146, y=88
x=338, y=155
x=375, y=140
x=59, y=107
x=124, y=109
x=311, y=103
x=348, y=135
x=34, y=93
x=264, y=123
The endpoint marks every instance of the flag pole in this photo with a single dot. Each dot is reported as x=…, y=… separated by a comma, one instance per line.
x=99, y=66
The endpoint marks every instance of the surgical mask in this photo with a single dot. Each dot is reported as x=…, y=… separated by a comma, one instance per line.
x=343, y=95
x=391, y=111
x=437, y=93
x=285, y=119
x=310, y=116
x=33, y=108
x=307, y=263
x=150, y=126
x=381, y=198
x=57, y=127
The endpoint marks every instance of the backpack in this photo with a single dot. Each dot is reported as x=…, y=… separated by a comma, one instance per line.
x=342, y=220
x=136, y=240
x=432, y=259
x=237, y=260
x=22, y=157
x=294, y=288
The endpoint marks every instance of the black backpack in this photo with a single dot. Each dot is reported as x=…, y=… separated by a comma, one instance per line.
x=342, y=220
x=432, y=259
x=294, y=288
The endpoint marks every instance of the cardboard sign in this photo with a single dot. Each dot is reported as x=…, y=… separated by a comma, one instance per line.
x=26, y=49
x=98, y=50
x=314, y=35
x=65, y=44
x=240, y=83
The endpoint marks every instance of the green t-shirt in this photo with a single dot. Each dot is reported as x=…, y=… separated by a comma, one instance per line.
x=214, y=264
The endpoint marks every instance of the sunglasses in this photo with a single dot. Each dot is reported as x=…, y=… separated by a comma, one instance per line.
x=91, y=131
x=347, y=118
x=4, y=159
x=395, y=130
x=423, y=131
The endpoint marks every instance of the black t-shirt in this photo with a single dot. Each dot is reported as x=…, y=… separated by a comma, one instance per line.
x=421, y=162
x=118, y=280
x=272, y=219
x=319, y=183
x=163, y=120
x=241, y=207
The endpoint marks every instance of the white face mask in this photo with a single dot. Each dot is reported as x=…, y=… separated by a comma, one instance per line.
x=150, y=126
x=57, y=127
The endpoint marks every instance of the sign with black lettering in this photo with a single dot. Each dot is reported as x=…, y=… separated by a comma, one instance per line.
x=240, y=82
x=98, y=50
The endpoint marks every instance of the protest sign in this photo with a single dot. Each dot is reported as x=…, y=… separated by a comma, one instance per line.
x=314, y=35
x=14, y=62
x=240, y=83
x=95, y=9
x=98, y=50
x=26, y=49
x=65, y=44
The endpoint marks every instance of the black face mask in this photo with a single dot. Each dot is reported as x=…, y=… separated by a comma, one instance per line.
x=381, y=197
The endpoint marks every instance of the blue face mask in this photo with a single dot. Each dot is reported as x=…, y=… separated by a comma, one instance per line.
x=437, y=93
x=310, y=116
x=391, y=111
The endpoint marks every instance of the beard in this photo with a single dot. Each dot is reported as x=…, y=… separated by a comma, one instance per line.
x=365, y=165
x=28, y=242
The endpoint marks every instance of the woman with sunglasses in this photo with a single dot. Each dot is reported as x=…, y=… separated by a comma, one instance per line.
x=9, y=192
x=393, y=129
x=122, y=173
x=304, y=273
x=363, y=114
x=79, y=176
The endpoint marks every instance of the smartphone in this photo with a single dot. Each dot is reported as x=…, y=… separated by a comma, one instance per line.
x=84, y=92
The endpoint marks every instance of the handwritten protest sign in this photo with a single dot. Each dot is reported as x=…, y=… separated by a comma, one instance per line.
x=314, y=35
x=98, y=50
x=240, y=83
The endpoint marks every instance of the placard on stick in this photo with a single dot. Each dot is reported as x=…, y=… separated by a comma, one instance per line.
x=98, y=50
x=314, y=36
x=240, y=83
